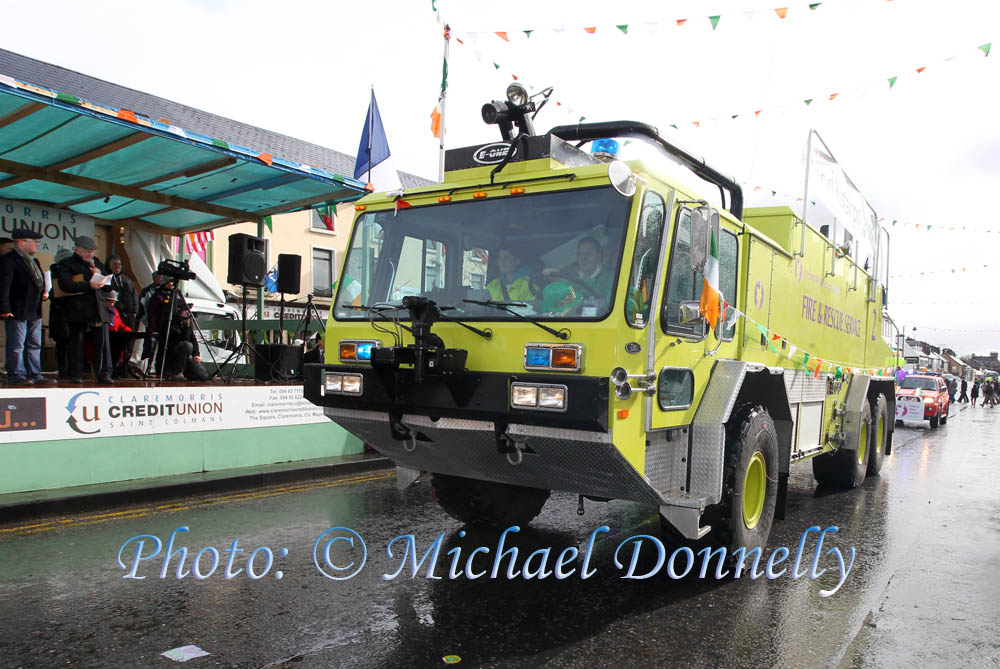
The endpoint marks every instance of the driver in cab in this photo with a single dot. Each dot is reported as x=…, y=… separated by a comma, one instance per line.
x=589, y=271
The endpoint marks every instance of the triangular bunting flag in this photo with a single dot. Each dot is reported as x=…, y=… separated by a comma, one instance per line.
x=715, y=21
x=528, y=33
x=681, y=22
x=809, y=102
x=814, y=5
x=986, y=48
x=833, y=96
x=792, y=348
x=805, y=360
x=623, y=28
x=591, y=30
x=921, y=69
x=892, y=81
x=782, y=12
x=503, y=36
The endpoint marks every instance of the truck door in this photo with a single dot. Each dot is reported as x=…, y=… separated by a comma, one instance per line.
x=681, y=356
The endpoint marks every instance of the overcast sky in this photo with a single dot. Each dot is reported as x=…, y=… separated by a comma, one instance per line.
x=926, y=151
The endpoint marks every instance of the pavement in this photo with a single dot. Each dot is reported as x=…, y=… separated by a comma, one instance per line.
x=922, y=590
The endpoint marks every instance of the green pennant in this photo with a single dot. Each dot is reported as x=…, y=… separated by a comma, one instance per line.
x=812, y=202
x=894, y=222
x=892, y=81
x=986, y=48
x=715, y=21
x=809, y=102
x=581, y=119
x=952, y=271
x=623, y=28
x=734, y=116
x=814, y=5
x=839, y=374
x=674, y=126
x=495, y=66
x=773, y=193
x=805, y=360
x=433, y=5
x=928, y=227
x=528, y=32
x=267, y=222
x=67, y=98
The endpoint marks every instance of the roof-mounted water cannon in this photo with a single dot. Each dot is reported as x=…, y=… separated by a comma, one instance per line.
x=515, y=110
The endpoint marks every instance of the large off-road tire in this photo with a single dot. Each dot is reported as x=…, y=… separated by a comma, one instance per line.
x=844, y=468
x=750, y=478
x=487, y=504
x=880, y=434
x=935, y=421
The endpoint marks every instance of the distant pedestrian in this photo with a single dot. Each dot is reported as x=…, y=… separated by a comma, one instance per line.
x=952, y=388
x=964, y=396
x=975, y=392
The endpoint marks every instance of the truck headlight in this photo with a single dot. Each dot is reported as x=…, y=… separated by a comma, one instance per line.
x=545, y=397
x=336, y=383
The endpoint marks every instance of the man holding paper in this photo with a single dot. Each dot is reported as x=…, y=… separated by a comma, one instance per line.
x=79, y=280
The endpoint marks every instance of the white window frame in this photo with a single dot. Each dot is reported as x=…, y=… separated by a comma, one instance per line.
x=322, y=231
x=312, y=268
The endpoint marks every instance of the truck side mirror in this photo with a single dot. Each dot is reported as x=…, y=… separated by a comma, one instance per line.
x=704, y=222
x=690, y=312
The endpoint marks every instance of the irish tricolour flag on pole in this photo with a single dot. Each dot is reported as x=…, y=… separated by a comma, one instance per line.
x=374, y=165
x=710, y=297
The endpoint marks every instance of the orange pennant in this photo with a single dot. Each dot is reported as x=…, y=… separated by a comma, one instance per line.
x=126, y=115
x=515, y=77
x=266, y=158
x=921, y=69
x=782, y=12
x=591, y=30
x=503, y=36
x=833, y=95
x=757, y=113
x=697, y=124
x=681, y=22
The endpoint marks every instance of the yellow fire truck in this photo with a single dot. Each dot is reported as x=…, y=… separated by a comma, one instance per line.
x=532, y=324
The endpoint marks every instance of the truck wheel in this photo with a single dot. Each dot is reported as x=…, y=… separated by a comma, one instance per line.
x=880, y=434
x=750, y=483
x=843, y=468
x=487, y=504
x=934, y=421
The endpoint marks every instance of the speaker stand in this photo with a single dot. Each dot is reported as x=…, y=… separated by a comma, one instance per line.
x=245, y=347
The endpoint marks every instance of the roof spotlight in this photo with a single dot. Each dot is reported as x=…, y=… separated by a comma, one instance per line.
x=517, y=95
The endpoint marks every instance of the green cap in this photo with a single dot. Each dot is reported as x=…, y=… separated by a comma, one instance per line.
x=559, y=298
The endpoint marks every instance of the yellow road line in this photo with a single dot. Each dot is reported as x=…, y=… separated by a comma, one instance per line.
x=140, y=512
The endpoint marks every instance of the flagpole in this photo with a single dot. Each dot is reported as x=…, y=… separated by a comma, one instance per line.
x=444, y=95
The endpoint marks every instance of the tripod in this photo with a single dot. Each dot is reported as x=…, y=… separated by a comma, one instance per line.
x=174, y=294
x=305, y=321
x=245, y=347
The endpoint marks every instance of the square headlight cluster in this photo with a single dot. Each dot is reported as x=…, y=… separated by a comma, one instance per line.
x=335, y=383
x=356, y=350
x=545, y=397
x=559, y=357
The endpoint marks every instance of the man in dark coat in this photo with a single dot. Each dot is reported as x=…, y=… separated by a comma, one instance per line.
x=22, y=291
x=83, y=308
x=128, y=299
x=58, y=327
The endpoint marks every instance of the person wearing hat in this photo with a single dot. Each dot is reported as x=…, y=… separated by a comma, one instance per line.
x=6, y=246
x=117, y=328
x=84, y=308
x=22, y=291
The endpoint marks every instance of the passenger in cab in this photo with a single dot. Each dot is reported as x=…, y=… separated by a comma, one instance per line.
x=514, y=283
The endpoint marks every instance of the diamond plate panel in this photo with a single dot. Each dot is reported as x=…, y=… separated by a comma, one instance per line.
x=665, y=465
x=708, y=439
x=570, y=460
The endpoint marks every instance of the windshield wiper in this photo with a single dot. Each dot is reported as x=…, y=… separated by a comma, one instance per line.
x=485, y=334
x=506, y=306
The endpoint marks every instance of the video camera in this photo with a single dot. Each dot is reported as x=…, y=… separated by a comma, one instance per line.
x=178, y=270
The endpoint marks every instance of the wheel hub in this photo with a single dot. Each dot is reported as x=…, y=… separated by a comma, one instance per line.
x=754, y=490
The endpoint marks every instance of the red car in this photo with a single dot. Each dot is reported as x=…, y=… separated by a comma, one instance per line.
x=923, y=397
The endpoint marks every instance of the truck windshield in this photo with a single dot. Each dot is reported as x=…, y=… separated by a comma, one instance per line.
x=556, y=253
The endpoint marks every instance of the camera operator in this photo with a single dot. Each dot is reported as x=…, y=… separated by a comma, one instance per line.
x=83, y=308
x=177, y=348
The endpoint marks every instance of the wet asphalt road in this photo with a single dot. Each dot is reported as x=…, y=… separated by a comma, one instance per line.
x=923, y=591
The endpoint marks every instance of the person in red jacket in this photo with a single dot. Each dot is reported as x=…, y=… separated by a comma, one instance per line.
x=116, y=328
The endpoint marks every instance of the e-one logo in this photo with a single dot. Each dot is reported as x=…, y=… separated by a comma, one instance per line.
x=492, y=153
